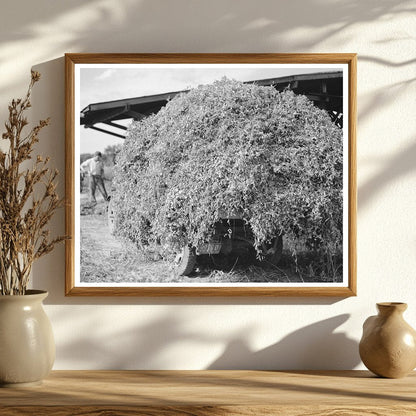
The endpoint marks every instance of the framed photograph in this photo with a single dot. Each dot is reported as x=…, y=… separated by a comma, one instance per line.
x=211, y=174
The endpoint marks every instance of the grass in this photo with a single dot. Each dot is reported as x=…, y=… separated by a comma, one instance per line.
x=288, y=271
x=105, y=259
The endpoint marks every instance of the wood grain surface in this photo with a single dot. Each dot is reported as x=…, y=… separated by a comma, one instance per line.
x=202, y=393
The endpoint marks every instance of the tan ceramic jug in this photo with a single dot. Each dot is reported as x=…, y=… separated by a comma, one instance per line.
x=27, y=347
x=388, y=344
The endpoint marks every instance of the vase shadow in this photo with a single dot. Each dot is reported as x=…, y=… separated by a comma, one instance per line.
x=314, y=347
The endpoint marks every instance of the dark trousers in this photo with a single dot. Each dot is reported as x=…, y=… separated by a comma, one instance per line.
x=96, y=181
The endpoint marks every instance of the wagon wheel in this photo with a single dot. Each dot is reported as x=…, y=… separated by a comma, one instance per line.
x=185, y=261
x=273, y=251
x=111, y=217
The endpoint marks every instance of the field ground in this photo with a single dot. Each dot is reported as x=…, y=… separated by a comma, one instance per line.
x=106, y=259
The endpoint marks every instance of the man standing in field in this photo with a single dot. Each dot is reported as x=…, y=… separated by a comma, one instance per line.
x=94, y=168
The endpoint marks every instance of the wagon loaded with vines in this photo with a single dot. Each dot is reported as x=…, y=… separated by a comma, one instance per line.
x=231, y=169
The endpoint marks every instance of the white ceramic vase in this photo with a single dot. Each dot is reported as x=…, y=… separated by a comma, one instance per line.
x=27, y=347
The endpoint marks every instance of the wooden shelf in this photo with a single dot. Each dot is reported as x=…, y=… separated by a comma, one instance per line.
x=202, y=393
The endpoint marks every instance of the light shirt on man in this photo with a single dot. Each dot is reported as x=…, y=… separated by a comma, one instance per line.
x=93, y=167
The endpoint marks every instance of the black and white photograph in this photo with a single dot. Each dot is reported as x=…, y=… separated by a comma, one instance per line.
x=211, y=175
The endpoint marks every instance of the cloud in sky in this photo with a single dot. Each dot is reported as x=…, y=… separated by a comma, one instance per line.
x=105, y=74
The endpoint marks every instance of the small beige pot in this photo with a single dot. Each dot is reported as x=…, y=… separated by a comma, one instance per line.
x=27, y=347
x=388, y=344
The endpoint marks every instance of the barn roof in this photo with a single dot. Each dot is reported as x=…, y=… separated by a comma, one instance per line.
x=323, y=88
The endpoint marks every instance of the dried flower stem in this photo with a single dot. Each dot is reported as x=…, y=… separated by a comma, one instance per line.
x=23, y=218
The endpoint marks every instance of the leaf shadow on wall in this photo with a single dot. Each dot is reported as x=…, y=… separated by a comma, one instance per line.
x=401, y=163
x=316, y=346
x=143, y=347
x=152, y=345
x=396, y=167
x=143, y=26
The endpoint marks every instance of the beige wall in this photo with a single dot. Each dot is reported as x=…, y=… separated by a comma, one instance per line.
x=194, y=333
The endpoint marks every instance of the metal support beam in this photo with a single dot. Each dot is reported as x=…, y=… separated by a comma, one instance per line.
x=105, y=131
x=119, y=126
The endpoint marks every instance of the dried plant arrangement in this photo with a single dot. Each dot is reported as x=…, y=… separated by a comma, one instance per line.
x=28, y=198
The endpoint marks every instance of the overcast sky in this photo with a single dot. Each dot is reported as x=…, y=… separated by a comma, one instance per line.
x=107, y=83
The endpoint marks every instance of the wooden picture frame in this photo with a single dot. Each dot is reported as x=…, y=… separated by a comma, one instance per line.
x=78, y=66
